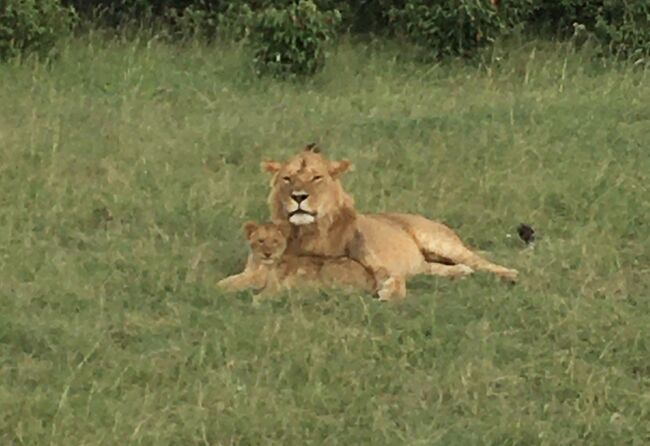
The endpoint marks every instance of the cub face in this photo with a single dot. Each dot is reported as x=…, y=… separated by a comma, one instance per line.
x=267, y=241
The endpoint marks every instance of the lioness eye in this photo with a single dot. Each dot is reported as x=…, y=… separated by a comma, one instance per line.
x=317, y=178
x=286, y=179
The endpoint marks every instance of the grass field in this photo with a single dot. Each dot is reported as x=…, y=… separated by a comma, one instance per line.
x=127, y=168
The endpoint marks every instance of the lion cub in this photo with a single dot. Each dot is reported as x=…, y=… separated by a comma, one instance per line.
x=269, y=268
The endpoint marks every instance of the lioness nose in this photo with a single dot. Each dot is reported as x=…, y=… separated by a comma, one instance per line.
x=299, y=197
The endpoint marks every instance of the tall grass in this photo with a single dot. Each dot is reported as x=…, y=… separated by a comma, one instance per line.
x=127, y=167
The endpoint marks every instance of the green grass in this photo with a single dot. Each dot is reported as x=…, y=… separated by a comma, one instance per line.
x=111, y=329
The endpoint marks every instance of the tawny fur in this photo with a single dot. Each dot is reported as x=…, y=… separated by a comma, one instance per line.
x=270, y=269
x=306, y=191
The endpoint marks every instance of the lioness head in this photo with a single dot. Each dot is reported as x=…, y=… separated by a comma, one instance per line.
x=306, y=187
x=267, y=241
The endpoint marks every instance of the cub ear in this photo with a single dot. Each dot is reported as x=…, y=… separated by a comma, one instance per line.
x=271, y=166
x=285, y=229
x=249, y=227
x=336, y=168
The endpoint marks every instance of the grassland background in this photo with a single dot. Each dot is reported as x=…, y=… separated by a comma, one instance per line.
x=127, y=167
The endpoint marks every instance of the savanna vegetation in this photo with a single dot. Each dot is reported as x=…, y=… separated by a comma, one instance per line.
x=130, y=143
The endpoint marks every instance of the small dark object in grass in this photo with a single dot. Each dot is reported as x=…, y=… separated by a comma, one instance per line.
x=526, y=233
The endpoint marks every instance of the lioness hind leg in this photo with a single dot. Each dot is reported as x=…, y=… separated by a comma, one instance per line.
x=439, y=242
x=439, y=269
x=460, y=255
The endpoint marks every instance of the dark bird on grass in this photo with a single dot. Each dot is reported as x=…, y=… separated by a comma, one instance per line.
x=526, y=233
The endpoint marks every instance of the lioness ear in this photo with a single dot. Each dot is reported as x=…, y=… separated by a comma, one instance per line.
x=249, y=227
x=336, y=168
x=271, y=166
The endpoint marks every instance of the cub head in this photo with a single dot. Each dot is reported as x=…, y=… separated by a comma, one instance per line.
x=306, y=188
x=267, y=241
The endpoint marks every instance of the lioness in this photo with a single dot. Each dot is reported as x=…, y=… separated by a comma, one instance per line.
x=306, y=191
x=270, y=269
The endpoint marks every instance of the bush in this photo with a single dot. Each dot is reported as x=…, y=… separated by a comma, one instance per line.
x=235, y=22
x=624, y=27
x=291, y=41
x=440, y=28
x=191, y=22
x=363, y=16
x=558, y=16
x=117, y=11
x=32, y=26
x=449, y=27
x=621, y=26
x=209, y=15
x=515, y=13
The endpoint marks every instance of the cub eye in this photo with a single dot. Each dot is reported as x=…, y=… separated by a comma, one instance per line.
x=260, y=241
x=286, y=179
x=317, y=178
